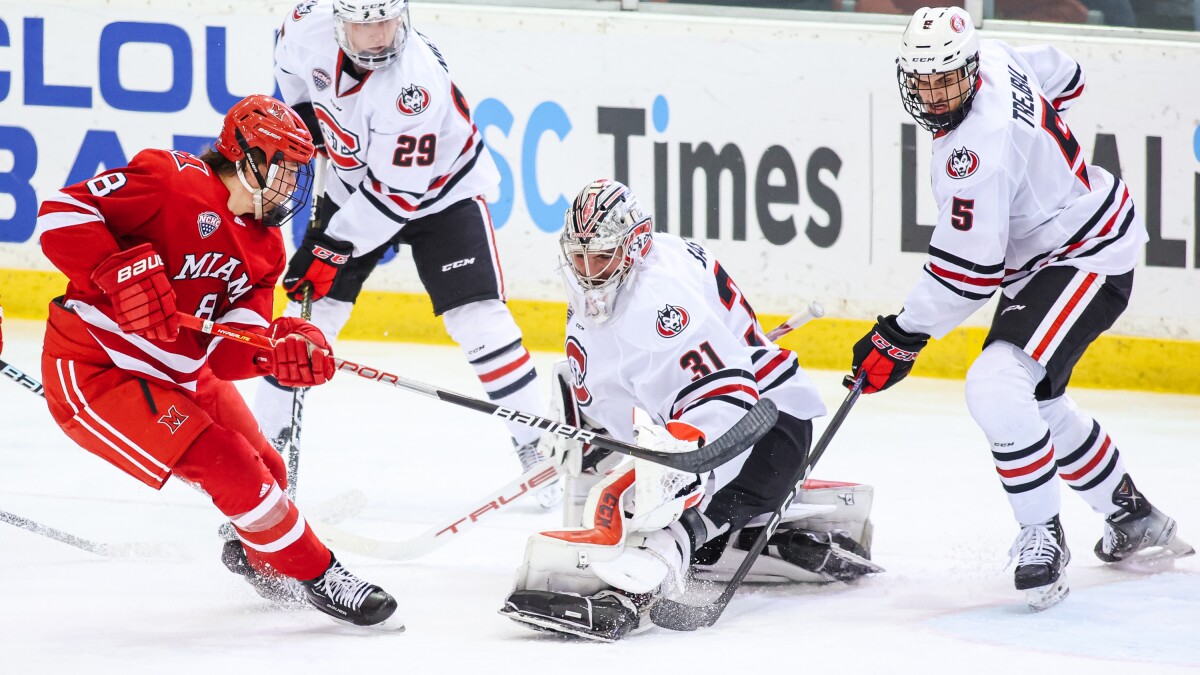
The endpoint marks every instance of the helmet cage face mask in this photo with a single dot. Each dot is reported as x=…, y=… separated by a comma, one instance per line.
x=604, y=237
x=281, y=164
x=352, y=16
x=284, y=189
x=956, y=91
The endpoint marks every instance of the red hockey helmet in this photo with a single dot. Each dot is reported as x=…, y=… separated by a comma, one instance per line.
x=267, y=124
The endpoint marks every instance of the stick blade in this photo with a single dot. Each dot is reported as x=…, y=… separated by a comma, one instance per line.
x=745, y=433
x=677, y=616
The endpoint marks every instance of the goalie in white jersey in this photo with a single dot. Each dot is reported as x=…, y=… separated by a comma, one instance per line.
x=1021, y=212
x=655, y=323
x=409, y=166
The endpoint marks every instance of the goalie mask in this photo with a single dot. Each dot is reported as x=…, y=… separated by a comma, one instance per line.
x=371, y=33
x=604, y=236
x=938, y=67
x=267, y=140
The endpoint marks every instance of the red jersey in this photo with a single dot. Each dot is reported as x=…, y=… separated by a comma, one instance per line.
x=222, y=266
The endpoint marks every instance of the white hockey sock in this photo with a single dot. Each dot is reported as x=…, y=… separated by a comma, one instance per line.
x=491, y=341
x=1087, y=458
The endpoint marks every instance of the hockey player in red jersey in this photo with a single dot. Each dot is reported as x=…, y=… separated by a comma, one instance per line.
x=1023, y=213
x=198, y=235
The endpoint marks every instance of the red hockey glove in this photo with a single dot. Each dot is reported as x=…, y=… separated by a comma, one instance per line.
x=301, y=357
x=143, y=301
x=317, y=261
x=886, y=355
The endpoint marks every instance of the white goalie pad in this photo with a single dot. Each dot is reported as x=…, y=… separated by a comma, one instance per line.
x=560, y=560
x=822, y=506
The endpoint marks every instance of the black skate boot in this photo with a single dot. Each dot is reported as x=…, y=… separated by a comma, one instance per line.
x=275, y=588
x=834, y=555
x=347, y=598
x=1042, y=555
x=604, y=617
x=1139, y=536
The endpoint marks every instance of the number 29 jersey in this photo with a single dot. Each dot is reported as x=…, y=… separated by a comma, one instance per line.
x=684, y=345
x=1015, y=194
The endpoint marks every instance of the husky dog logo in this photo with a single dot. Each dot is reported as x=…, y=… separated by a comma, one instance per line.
x=962, y=163
x=321, y=79
x=173, y=420
x=577, y=360
x=414, y=99
x=672, y=320
x=303, y=9
x=208, y=222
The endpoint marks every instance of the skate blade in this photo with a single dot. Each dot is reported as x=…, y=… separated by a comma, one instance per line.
x=1045, y=597
x=1156, y=558
x=549, y=625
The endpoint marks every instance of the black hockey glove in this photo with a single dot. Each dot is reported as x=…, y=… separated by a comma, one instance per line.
x=317, y=261
x=886, y=355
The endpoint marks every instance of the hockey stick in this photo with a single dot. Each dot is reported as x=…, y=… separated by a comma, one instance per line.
x=16, y=375
x=130, y=550
x=813, y=311
x=443, y=532
x=679, y=616
x=740, y=436
x=293, y=440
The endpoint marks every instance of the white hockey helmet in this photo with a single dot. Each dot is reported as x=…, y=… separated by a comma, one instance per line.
x=605, y=235
x=372, y=33
x=938, y=67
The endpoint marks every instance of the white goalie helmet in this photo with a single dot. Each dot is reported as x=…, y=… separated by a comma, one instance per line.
x=938, y=67
x=371, y=33
x=605, y=235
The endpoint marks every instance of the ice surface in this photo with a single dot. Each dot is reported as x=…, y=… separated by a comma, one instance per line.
x=943, y=528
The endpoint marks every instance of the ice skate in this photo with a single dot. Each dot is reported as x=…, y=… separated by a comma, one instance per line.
x=549, y=495
x=273, y=587
x=349, y=599
x=606, y=616
x=1144, y=540
x=1042, y=555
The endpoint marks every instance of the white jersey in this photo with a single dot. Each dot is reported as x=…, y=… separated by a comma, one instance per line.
x=1014, y=193
x=400, y=139
x=684, y=345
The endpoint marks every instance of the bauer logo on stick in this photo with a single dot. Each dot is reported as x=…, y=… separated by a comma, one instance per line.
x=672, y=321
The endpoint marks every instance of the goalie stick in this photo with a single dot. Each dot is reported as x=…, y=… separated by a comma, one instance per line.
x=679, y=616
x=814, y=311
x=445, y=531
x=751, y=427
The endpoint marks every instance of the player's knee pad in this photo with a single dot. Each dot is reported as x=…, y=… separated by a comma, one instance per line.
x=482, y=327
x=327, y=314
x=1000, y=391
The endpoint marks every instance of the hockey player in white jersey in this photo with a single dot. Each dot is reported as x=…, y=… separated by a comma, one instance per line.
x=655, y=323
x=1020, y=211
x=409, y=166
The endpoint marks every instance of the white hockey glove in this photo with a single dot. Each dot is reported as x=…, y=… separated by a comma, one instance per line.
x=660, y=493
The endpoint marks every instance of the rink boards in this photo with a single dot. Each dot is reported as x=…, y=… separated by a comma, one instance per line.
x=780, y=144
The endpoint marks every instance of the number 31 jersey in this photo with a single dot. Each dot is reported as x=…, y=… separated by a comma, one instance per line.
x=1015, y=194
x=684, y=345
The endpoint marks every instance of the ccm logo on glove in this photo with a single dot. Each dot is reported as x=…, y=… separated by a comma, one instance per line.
x=894, y=352
x=140, y=267
x=330, y=256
